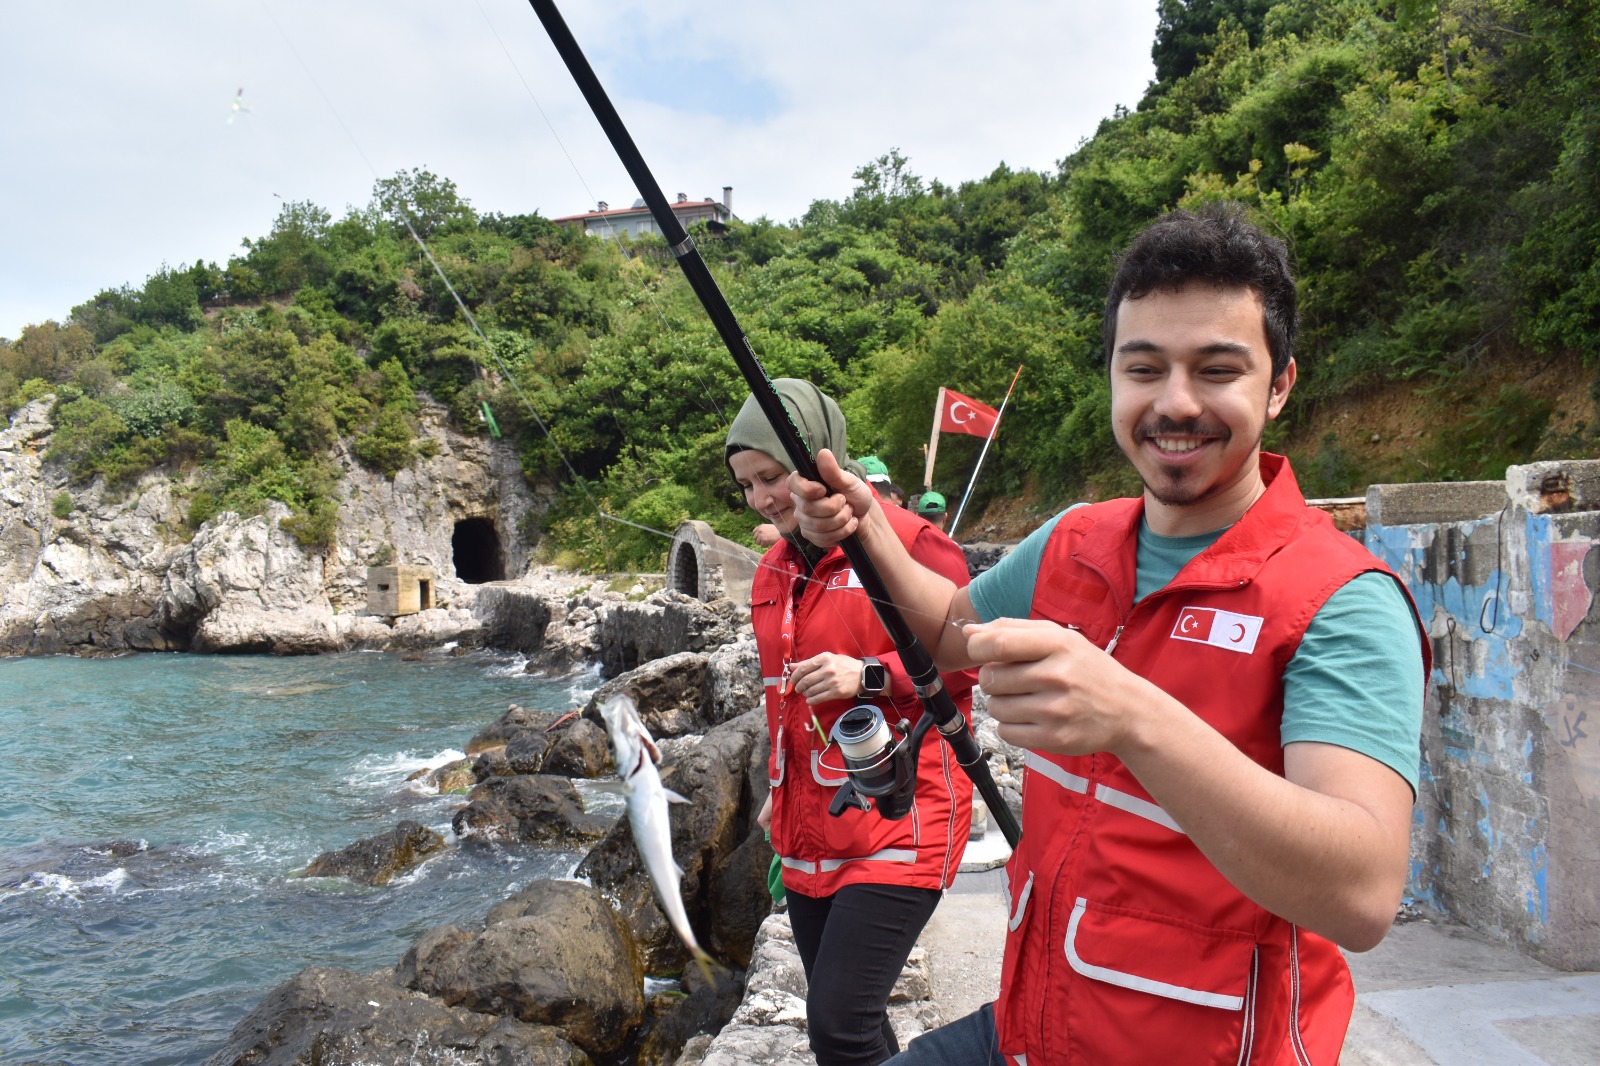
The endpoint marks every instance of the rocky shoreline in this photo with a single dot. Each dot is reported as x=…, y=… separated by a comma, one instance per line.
x=559, y=972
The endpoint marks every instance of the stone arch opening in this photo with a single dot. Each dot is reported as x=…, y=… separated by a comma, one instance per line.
x=475, y=549
x=683, y=571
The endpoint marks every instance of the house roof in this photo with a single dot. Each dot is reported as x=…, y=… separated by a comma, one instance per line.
x=638, y=208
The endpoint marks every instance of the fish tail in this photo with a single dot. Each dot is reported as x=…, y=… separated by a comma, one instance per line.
x=705, y=962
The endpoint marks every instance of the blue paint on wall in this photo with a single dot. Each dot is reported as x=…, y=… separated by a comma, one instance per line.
x=1539, y=573
x=1480, y=612
x=1538, y=900
x=1488, y=832
x=1420, y=885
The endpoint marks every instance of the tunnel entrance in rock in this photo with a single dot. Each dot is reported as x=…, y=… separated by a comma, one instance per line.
x=683, y=572
x=475, y=548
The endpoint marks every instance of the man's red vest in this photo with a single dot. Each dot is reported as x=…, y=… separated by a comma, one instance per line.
x=821, y=853
x=1125, y=944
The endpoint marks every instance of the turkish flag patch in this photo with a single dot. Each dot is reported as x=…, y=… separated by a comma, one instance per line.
x=1220, y=629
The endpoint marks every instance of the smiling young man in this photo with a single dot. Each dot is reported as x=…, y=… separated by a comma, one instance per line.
x=1220, y=695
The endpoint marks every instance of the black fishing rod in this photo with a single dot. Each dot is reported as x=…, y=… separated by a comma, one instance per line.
x=940, y=707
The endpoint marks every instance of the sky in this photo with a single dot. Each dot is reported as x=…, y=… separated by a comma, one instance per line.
x=118, y=156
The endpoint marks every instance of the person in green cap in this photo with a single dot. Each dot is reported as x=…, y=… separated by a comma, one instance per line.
x=859, y=886
x=930, y=505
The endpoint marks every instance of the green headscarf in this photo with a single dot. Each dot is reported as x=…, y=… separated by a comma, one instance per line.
x=821, y=425
x=815, y=415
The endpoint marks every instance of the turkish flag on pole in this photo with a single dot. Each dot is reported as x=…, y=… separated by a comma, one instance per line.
x=963, y=414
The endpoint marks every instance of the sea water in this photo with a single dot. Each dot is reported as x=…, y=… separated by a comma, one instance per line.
x=155, y=811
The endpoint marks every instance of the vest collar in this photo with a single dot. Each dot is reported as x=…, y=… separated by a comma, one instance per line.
x=1237, y=555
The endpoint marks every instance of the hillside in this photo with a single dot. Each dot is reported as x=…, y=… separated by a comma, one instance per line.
x=1433, y=167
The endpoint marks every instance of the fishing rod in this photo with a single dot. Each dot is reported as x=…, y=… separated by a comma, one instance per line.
x=940, y=708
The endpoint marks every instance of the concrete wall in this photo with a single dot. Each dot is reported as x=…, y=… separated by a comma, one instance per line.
x=1506, y=833
x=399, y=590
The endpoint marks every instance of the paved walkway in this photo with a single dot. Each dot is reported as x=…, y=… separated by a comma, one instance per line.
x=1429, y=995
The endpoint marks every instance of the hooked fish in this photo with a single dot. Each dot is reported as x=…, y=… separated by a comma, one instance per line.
x=636, y=755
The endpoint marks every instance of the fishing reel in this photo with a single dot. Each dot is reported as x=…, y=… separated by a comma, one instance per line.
x=880, y=762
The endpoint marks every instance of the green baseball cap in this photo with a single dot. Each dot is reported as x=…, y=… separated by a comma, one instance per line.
x=875, y=468
x=930, y=503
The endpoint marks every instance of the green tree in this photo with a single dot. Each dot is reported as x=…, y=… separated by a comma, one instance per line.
x=295, y=253
x=48, y=351
x=421, y=198
x=169, y=298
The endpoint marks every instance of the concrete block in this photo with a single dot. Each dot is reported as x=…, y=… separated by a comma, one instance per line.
x=1556, y=487
x=1446, y=501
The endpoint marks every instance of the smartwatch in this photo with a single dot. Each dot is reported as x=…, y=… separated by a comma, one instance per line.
x=874, y=677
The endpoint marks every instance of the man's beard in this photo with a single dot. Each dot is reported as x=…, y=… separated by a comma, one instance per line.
x=1180, y=485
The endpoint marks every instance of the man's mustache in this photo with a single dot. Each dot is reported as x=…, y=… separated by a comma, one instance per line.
x=1167, y=427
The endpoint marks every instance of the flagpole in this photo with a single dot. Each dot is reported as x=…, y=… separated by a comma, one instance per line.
x=951, y=532
x=933, y=440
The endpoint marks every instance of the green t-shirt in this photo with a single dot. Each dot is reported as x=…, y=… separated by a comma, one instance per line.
x=1345, y=684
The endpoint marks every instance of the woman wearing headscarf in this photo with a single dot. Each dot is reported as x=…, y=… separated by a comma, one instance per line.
x=860, y=887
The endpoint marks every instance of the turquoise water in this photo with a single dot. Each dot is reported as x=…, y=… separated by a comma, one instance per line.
x=217, y=778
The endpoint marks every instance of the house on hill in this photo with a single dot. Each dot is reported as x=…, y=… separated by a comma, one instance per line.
x=607, y=221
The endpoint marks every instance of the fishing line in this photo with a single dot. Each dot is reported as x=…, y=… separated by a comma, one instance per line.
x=605, y=221
x=581, y=482
x=671, y=329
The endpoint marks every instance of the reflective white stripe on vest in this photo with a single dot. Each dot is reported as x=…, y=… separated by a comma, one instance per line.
x=1020, y=1060
x=1112, y=797
x=886, y=855
x=816, y=773
x=776, y=781
x=1021, y=905
x=1040, y=765
x=830, y=865
x=1134, y=981
x=772, y=682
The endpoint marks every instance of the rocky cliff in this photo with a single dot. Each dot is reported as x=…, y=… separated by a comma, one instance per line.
x=86, y=568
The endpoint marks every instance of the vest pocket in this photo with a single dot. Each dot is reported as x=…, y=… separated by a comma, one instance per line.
x=1179, y=993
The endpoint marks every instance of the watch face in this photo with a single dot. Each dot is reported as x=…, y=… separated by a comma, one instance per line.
x=874, y=676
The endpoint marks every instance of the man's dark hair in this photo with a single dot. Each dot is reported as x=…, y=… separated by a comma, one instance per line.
x=1216, y=246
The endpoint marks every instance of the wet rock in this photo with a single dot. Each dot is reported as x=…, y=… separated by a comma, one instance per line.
x=451, y=777
x=554, y=954
x=520, y=728
x=330, y=1017
x=580, y=750
x=740, y=900
x=514, y=721
x=430, y=946
x=376, y=860
x=529, y=809
x=526, y=752
x=670, y=693
x=677, y=1017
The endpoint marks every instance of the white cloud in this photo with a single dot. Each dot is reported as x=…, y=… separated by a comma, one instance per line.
x=119, y=156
